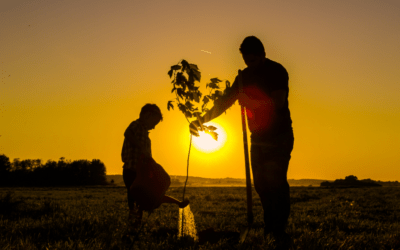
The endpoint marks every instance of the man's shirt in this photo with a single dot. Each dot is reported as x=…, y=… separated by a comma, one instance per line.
x=264, y=121
x=137, y=145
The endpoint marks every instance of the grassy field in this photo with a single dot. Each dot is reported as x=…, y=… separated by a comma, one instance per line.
x=96, y=218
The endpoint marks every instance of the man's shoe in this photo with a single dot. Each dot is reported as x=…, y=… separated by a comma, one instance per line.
x=283, y=240
x=267, y=232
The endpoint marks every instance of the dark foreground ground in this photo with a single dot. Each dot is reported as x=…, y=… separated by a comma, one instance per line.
x=96, y=218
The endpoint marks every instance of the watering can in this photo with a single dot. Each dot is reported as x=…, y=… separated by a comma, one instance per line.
x=150, y=185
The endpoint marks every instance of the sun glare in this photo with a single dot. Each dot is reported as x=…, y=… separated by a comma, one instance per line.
x=206, y=143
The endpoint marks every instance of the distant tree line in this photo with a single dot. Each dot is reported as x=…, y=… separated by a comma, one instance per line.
x=52, y=173
x=351, y=181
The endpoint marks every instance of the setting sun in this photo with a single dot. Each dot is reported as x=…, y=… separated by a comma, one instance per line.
x=206, y=143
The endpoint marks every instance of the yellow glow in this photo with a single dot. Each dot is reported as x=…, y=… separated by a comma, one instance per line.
x=206, y=143
x=73, y=77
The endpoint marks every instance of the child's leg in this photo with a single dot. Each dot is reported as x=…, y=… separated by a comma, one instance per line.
x=135, y=213
x=129, y=176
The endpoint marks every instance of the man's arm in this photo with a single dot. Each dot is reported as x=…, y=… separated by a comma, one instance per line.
x=222, y=104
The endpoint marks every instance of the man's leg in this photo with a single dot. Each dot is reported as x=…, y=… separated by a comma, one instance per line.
x=269, y=163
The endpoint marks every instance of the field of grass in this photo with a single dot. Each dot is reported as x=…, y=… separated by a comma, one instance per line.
x=96, y=218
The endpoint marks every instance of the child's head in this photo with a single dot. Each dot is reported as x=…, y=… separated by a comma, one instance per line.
x=150, y=115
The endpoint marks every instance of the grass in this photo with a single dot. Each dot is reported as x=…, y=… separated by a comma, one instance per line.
x=96, y=218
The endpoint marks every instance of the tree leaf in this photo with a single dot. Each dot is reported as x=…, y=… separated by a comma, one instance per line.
x=192, y=96
x=180, y=78
x=180, y=93
x=170, y=73
x=213, y=85
x=193, y=66
x=211, y=128
x=196, y=97
x=176, y=67
x=189, y=105
x=191, y=79
x=190, y=84
x=205, y=100
x=188, y=114
x=197, y=75
x=214, y=135
x=215, y=80
x=197, y=114
x=185, y=65
x=182, y=108
x=170, y=105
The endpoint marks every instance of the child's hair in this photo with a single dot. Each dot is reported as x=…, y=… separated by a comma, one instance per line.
x=151, y=108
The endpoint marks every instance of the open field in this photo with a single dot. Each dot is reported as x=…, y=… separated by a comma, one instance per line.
x=96, y=218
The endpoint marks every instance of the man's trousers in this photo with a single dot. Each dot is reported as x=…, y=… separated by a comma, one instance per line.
x=269, y=162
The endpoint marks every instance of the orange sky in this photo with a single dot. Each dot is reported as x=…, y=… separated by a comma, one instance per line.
x=74, y=74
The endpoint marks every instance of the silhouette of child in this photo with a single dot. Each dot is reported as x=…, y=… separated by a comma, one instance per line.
x=145, y=180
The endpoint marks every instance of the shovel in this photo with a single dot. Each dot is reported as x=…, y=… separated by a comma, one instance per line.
x=245, y=231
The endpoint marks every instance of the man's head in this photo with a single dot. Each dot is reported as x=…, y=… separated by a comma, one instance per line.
x=253, y=52
x=150, y=115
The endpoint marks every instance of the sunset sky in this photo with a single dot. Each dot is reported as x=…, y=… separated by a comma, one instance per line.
x=74, y=74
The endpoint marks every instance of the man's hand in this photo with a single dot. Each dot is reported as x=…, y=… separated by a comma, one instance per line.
x=194, y=127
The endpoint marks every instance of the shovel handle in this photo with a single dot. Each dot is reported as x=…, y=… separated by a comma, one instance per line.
x=246, y=157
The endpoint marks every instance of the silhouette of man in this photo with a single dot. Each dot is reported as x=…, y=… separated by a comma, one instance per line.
x=265, y=96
